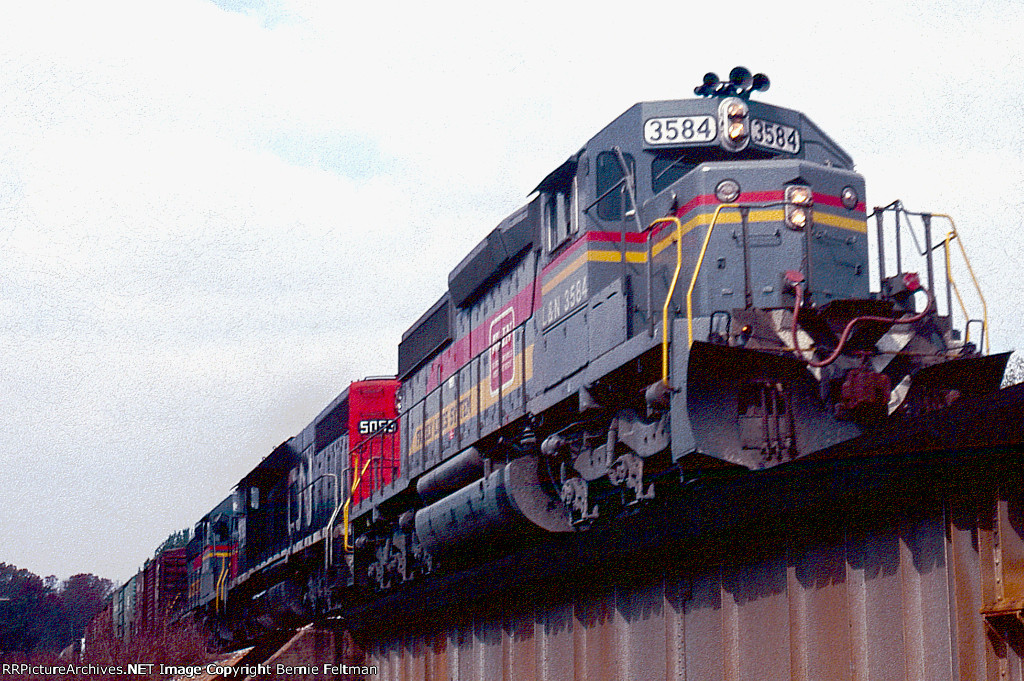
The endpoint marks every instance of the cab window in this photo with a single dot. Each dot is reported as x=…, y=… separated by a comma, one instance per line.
x=610, y=179
x=666, y=169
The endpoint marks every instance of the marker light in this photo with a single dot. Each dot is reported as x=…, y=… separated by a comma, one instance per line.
x=800, y=195
x=727, y=191
x=849, y=197
x=736, y=110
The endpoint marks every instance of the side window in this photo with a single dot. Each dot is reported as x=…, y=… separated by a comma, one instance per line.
x=560, y=212
x=610, y=179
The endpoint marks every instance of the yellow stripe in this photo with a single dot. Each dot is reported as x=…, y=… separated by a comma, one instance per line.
x=733, y=218
x=860, y=226
x=561, y=276
x=591, y=256
x=616, y=256
x=486, y=398
x=686, y=228
x=635, y=257
x=529, y=362
x=603, y=256
x=761, y=215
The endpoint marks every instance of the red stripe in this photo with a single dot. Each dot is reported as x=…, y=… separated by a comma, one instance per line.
x=761, y=197
x=745, y=197
x=836, y=202
x=616, y=237
x=459, y=353
x=565, y=254
x=604, y=237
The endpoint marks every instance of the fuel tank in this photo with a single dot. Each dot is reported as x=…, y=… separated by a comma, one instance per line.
x=513, y=500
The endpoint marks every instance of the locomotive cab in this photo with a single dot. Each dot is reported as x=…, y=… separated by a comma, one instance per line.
x=212, y=557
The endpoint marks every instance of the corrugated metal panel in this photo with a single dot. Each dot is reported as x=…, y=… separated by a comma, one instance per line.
x=886, y=594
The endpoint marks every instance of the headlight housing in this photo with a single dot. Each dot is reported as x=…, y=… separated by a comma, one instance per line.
x=799, y=204
x=734, y=123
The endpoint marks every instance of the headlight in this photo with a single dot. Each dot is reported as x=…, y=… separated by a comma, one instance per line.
x=734, y=122
x=736, y=110
x=799, y=201
x=799, y=195
x=796, y=217
x=727, y=191
x=737, y=131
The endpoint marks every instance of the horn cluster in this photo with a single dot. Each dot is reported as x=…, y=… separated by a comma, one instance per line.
x=741, y=83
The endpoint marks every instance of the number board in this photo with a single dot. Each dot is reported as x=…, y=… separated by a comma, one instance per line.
x=680, y=130
x=775, y=136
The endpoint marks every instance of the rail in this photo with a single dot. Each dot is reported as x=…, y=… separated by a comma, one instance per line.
x=696, y=273
x=925, y=251
x=671, y=289
x=314, y=514
x=675, y=280
x=304, y=497
x=219, y=587
x=954, y=234
x=356, y=479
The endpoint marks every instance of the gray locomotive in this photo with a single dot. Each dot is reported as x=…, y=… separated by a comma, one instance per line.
x=689, y=289
x=689, y=292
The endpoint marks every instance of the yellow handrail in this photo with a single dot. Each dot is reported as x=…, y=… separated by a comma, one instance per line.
x=956, y=289
x=675, y=279
x=671, y=289
x=984, y=306
x=219, y=586
x=696, y=270
x=355, y=485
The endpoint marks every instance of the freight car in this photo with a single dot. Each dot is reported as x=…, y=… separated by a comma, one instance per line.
x=144, y=605
x=690, y=291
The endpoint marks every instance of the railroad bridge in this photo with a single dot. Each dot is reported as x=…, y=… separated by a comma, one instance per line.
x=878, y=561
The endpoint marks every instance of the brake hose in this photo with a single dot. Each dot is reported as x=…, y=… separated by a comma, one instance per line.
x=849, y=326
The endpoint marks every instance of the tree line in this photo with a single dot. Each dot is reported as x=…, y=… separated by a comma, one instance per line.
x=46, y=615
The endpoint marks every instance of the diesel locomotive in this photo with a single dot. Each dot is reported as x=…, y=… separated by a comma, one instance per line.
x=690, y=290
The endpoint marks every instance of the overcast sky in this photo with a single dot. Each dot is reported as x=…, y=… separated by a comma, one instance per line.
x=215, y=215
